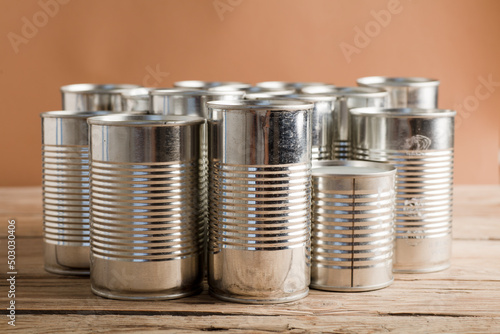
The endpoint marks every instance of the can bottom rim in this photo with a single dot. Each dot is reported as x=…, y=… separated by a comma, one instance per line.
x=67, y=271
x=403, y=270
x=138, y=296
x=249, y=300
x=351, y=289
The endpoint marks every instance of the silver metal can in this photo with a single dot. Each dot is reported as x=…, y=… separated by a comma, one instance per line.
x=296, y=86
x=258, y=93
x=65, y=156
x=147, y=226
x=420, y=143
x=191, y=102
x=136, y=100
x=406, y=92
x=94, y=97
x=321, y=120
x=231, y=87
x=260, y=197
x=353, y=225
x=199, y=84
x=347, y=98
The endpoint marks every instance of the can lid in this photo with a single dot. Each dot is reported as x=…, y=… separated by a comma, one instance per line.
x=97, y=88
x=351, y=168
x=403, y=112
x=270, y=104
x=345, y=91
x=287, y=84
x=75, y=114
x=145, y=120
x=230, y=87
x=381, y=81
x=200, y=84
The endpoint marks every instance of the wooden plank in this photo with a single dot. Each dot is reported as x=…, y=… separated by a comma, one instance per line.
x=113, y=323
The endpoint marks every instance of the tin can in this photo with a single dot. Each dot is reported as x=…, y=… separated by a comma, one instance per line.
x=199, y=84
x=347, y=98
x=65, y=156
x=321, y=120
x=147, y=226
x=94, y=97
x=353, y=225
x=231, y=87
x=136, y=100
x=296, y=86
x=420, y=143
x=406, y=92
x=260, y=197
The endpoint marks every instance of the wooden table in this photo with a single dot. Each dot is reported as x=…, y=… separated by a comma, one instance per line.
x=464, y=298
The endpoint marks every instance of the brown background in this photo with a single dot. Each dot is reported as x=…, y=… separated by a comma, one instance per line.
x=122, y=41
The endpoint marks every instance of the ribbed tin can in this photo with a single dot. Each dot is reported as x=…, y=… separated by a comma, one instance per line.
x=136, y=100
x=147, y=224
x=347, y=98
x=94, y=97
x=199, y=84
x=353, y=225
x=260, y=197
x=65, y=156
x=296, y=86
x=321, y=120
x=406, y=92
x=420, y=143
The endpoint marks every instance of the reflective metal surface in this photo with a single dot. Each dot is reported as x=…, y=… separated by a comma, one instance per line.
x=94, y=97
x=260, y=197
x=296, y=86
x=199, y=84
x=137, y=99
x=353, y=225
x=347, y=98
x=230, y=87
x=406, y=92
x=65, y=156
x=147, y=221
x=321, y=120
x=419, y=142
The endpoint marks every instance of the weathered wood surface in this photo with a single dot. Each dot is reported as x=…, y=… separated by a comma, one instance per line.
x=464, y=298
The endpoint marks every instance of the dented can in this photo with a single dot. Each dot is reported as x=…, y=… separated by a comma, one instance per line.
x=420, y=144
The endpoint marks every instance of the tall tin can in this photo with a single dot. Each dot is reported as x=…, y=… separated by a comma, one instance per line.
x=136, y=100
x=94, y=97
x=420, y=143
x=353, y=225
x=147, y=226
x=347, y=98
x=260, y=197
x=321, y=120
x=65, y=156
x=406, y=92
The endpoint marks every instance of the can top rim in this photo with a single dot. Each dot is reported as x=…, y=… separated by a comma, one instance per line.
x=296, y=96
x=97, y=88
x=270, y=104
x=346, y=91
x=192, y=92
x=200, y=84
x=140, y=92
x=287, y=84
x=382, y=81
x=402, y=112
x=384, y=169
x=230, y=87
x=75, y=114
x=145, y=120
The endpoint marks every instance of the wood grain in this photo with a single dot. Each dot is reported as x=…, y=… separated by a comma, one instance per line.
x=464, y=298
